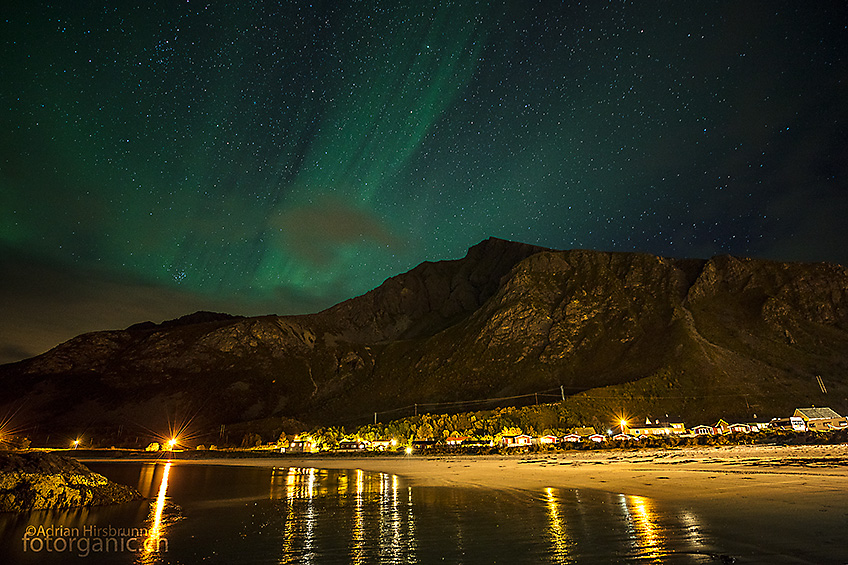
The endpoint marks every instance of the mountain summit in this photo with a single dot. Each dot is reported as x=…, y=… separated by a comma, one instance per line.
x=724, y=337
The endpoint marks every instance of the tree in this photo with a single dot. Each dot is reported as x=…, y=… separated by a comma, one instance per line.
x=512, y=431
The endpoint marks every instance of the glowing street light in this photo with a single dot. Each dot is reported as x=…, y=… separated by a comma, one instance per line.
x=409, y=451
x=171, y=443
x=75, y=443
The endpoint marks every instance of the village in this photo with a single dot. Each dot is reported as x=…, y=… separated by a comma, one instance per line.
x=812, y=419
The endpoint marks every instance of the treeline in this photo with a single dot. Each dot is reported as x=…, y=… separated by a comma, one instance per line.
x=557, y=419
x=554, y=419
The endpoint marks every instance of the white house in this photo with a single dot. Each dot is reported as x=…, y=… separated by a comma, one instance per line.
x=821, y=419
x=516, y=441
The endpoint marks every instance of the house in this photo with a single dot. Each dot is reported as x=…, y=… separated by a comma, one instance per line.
x=572, y=438
x=722, y=426
x=656, y=428
x=423, y=444
x=352, y=445
x=382, y=444
x=759, y=424
x=739, y=428
x=546, y=440
x=623, y=437
x=821, y=419
x=455, y=441
x=650, y=430
x=302, y=446
x=598, y=438
x=793, y=423
x=705, y=431
x=516, y=441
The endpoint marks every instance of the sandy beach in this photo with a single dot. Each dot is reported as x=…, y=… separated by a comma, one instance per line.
x=809, y=474
x=682, y=474
x=766, y=504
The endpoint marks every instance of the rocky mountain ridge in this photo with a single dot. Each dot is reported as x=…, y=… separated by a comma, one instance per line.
x=688, y=336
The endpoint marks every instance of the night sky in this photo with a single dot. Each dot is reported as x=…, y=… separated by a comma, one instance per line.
x=260, y=157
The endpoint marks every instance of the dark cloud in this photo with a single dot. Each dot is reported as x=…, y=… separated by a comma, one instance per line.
x=317, y=232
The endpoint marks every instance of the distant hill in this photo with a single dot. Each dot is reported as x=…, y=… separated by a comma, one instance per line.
x=701, y=339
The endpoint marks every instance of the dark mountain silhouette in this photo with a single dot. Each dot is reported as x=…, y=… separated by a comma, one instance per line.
x=703, y=339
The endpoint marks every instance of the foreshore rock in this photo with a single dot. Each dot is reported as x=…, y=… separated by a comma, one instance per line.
x=41, y=481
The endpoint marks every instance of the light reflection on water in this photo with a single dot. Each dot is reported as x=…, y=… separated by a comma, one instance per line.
x=562, y=543
x=154, y=544
x=314, y=516
x=645, y=534
x=382, y=523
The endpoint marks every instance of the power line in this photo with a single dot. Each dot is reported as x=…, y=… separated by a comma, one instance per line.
x=551, y=393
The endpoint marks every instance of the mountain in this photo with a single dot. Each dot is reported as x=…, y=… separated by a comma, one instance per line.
x=702, y=339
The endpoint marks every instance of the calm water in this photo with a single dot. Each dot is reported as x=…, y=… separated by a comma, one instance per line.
x=218, y=514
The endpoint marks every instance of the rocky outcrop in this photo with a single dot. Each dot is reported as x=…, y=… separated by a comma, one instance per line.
x=740, y=335
x=42, y=481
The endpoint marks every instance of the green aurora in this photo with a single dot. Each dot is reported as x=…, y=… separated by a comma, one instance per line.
x=285, y=156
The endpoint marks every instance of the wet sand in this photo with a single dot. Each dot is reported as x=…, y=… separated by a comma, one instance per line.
x=765, y=504
x=815, y=474
x=680, y=474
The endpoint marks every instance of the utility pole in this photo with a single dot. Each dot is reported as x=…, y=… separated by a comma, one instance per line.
x=375, y=418
x=416, y=409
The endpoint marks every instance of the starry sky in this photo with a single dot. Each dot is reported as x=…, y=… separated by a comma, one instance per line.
x=158, y=158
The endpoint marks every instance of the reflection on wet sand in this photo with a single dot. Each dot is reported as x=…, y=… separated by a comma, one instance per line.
x=560, y=540
x=298, y=539
x=357, y=546
x=318, y=516
x=645, y=534
x=379, y=511
x=145, y=480
x=651, y=537
x=378, y=519
x=155, y=542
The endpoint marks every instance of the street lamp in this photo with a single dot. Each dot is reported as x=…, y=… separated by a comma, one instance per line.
x=75, y=443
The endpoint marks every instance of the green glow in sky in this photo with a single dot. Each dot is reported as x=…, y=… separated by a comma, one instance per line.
x=291, y=156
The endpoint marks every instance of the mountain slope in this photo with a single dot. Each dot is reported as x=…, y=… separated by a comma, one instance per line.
x=701, y=339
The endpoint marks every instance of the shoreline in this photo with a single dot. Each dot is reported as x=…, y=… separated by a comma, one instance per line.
x=784, y=504
x=814, y=473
